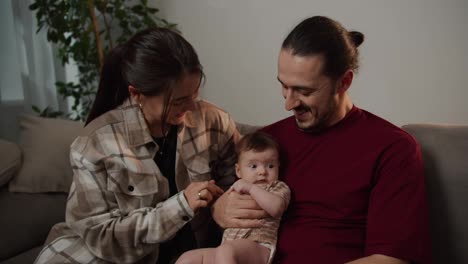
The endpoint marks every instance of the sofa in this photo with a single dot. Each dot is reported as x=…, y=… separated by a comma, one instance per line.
x=35, y=175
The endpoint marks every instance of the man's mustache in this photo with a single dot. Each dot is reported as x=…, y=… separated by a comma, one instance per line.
x=301, y=108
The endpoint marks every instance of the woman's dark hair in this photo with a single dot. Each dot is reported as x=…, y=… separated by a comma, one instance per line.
x=257, y=141
x=151, y=61
x=322, y=35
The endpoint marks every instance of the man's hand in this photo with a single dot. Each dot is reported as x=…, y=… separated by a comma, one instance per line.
x=237, y=210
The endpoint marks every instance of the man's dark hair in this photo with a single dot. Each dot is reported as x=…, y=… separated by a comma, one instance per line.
x=320, y=35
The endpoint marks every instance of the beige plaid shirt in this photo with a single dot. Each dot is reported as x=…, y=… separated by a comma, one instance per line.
x=268, y=232
x=118, y=208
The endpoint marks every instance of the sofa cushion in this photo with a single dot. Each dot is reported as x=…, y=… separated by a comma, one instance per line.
x=26, y=219
x=246, y=128
x=25, y=257
x=445, y=155
x=10, y=161
x=45, y=145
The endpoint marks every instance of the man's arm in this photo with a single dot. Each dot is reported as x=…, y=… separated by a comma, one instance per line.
x=378, y=259
x=397, y=212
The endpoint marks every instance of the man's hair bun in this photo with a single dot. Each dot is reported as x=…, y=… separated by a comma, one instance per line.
x=357, y=38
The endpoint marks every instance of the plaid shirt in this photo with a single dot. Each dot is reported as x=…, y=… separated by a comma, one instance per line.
x=118, y=208
x=268, y=232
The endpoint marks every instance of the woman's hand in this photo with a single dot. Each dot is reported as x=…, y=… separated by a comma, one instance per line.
x=200, y=194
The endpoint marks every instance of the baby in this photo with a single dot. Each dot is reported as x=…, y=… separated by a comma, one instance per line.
x=257, y=170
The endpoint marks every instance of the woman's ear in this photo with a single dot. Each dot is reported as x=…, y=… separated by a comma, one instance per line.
x=134, y=94
x=238, y=171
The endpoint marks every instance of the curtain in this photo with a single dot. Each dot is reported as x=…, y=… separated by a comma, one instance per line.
x=37, y=68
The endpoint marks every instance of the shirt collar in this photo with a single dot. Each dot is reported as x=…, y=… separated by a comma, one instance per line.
x=137, y=130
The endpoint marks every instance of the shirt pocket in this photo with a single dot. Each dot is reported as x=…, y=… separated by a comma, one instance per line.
x=198, y=165
x=132, y=183
x=134, y=190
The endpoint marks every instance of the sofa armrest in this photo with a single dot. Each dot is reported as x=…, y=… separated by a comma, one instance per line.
x=445, y=150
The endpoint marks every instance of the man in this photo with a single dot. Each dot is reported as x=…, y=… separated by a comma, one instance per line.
x=357, y=181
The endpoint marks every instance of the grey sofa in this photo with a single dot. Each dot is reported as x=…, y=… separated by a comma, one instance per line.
x=26, y=218
x=31, y=148
x=445, y=157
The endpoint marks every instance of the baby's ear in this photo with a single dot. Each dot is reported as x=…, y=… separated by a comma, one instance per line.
x=238, y=171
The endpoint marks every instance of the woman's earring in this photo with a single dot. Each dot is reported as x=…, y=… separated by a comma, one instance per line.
x=141, y=107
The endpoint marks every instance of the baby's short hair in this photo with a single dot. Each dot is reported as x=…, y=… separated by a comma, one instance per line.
x=257, y=141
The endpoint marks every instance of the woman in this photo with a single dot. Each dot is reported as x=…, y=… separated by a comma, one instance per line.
x=141, y=169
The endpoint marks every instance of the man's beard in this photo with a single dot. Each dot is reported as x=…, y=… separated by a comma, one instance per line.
x=321, y=120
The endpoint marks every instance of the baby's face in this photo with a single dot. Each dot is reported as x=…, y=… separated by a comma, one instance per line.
x=258, y=167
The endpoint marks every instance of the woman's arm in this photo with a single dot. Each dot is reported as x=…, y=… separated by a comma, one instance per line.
x=110, y=233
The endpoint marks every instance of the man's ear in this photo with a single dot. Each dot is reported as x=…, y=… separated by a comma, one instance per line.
x=345, y=81
x=238, y=171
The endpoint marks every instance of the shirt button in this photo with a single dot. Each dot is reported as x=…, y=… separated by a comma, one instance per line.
x=185, y=218
x=131, y=188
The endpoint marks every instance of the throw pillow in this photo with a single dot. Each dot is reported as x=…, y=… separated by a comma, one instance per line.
x=45, y=144
x=10, y=161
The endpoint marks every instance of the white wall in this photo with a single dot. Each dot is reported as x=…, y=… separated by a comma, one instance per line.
x=414, y=61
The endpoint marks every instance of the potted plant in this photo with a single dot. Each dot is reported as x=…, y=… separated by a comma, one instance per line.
x=84, y=31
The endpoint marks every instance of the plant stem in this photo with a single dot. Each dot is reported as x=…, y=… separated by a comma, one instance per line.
x=108, y=28
x=96, y=32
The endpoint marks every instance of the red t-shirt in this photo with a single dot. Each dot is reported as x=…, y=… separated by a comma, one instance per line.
x=357, y=189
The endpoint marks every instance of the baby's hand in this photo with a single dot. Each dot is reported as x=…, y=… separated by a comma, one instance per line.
x=242, y=186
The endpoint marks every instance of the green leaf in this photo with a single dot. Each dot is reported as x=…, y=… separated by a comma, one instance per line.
x=68, y=24
x=36, y=109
